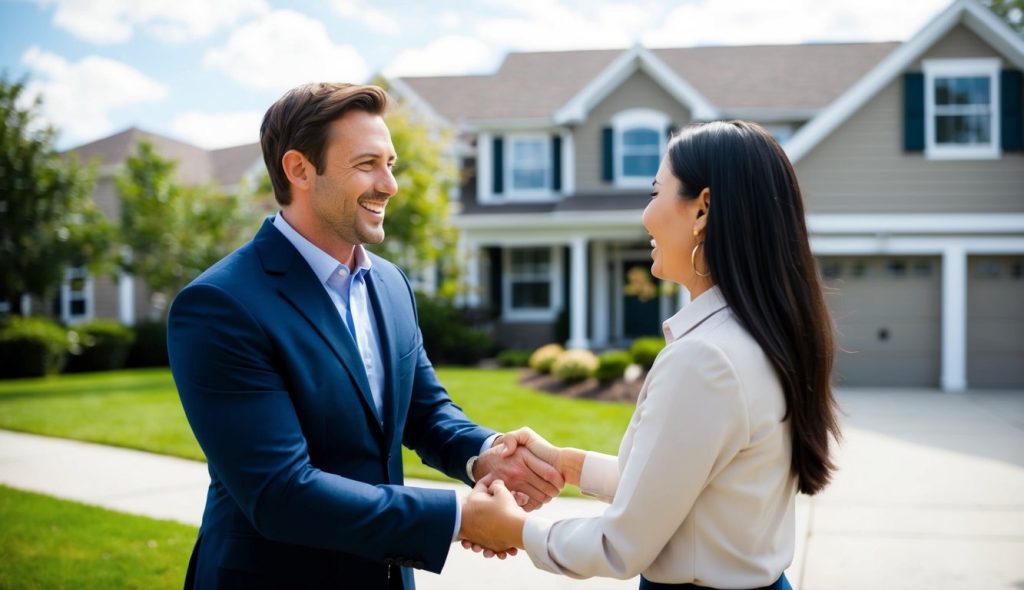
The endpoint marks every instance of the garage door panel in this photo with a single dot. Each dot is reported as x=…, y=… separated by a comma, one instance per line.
x=995, y=322
x=886, y=311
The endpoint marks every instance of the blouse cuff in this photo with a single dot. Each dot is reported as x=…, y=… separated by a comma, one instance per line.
x=535, y=540
x=600, y=476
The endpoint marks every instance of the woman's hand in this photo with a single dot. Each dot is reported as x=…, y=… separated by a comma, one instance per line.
x=492, y=521
x=568, y=461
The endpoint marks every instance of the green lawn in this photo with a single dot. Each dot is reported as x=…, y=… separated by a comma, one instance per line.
x=140, y=409
x=50, y=543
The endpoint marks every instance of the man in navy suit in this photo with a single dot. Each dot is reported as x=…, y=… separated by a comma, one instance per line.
x=301, y=368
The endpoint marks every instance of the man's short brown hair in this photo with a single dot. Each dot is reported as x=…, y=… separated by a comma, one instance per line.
x=300, y=120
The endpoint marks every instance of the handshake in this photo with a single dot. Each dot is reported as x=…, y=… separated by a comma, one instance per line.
x=520, y=473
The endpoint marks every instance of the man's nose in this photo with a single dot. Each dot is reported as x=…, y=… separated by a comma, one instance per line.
x=387, y=183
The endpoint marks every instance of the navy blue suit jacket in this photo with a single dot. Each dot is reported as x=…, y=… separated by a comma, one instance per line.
x=305, y=478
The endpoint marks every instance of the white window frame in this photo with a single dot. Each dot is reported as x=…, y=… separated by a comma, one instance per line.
x=517, y=194
x=536, y=314
x=632, y=119
x=86, y=295
x=942, y=68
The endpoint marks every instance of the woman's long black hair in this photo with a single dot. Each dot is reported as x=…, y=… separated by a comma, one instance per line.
x=758, y=254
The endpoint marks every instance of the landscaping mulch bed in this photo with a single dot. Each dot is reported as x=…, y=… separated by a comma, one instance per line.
x=619, y=390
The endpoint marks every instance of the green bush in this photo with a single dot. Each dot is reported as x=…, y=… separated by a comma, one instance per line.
x=449, y=336
x=645, y=350
x=32, y=347
x=102, y=346
x=514, y=358
x=575, y=365
x=150, y=346
x=544, y=357
x=611, y=365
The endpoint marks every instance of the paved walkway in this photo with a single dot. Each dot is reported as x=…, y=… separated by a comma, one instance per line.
x=930, y=495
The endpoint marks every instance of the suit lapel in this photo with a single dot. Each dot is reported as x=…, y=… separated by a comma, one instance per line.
x=377, y=290
x=297, y=284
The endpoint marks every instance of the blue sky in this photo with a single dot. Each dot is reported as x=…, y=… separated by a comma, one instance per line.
x=204, y=71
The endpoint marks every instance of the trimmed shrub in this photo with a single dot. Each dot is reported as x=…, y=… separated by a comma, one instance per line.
x=150, y=346
x=611, y=365
x=645, y=350
x=514, y=358
x=102, y=346
x=449, y=336
x=32, y=347
x=544, y=357
x=575, y=365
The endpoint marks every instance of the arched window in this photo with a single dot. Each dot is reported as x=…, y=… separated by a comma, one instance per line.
x=640, y=136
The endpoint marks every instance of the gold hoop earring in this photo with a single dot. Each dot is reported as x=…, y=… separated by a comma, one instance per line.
x=693, y=261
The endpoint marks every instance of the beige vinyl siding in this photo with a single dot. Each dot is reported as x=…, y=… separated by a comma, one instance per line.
x=639, y=91
x=862, y=168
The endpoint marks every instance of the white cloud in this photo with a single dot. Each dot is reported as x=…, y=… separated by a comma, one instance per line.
x=79, y=97
x=376, y=20
x=284, y=49
x=115, y=21
x=217, y=130
x=450, y=19
x=453, y=54
x=748, y=22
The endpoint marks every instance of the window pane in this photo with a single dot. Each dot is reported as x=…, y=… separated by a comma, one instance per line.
x=529, y=164
x=963, y=129
x=640, y=165
x=77, y=307
x=529, y=179
x=640, y=137
x=530, y=262
x=896, y=269
x=533, y=294
x=831, y=270
x=923, y=269
x=962, y=91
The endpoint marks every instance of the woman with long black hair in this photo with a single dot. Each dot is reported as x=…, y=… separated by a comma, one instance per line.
x=736, y=415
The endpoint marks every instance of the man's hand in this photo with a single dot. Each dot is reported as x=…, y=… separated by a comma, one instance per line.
x=521, y=470
x=491, y=520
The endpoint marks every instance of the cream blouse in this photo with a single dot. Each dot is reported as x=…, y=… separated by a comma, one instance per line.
x=701, y=490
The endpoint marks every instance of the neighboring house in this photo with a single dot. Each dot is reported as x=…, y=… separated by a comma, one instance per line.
x=909, y=156
x=84, y=297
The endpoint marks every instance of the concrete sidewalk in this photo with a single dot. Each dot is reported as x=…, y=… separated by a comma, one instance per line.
x=930, y=495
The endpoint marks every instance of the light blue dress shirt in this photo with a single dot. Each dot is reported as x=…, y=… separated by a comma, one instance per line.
x=347, y=289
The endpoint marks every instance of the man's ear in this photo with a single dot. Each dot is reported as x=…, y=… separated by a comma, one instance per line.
x=297, y=169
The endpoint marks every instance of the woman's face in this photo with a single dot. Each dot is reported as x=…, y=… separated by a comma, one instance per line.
x=671, y=220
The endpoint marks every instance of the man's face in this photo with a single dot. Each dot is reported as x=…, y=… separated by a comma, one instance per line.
x=349, y=198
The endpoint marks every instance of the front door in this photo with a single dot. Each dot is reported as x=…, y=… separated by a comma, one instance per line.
x=641, y=310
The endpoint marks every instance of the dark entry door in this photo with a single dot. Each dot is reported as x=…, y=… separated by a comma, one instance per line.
x=641, y=304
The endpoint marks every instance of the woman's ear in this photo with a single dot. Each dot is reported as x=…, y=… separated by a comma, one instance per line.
x=703, y=205
x=297, y=168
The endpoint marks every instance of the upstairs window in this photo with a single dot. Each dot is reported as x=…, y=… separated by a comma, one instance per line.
x=529, y=165
x=634, y=145
x=641, y=152
x=962, y=108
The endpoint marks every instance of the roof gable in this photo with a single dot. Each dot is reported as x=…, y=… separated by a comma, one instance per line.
x=968, y=12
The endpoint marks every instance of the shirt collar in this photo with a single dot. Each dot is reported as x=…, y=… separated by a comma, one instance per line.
x=693, y=314
x=322, y=263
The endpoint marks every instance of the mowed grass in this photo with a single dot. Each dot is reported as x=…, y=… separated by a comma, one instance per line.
x=139, y=409
x=50, y=543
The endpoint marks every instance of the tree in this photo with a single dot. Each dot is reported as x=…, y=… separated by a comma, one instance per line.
x=419, y=233
x=1011, y=11
x=174, y=232
x=48, y=220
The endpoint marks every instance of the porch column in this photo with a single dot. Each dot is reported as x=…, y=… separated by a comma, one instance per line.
x=126, y=299
x=471, y=255
x=954, y=319
x=578, y=305
x=601, y=317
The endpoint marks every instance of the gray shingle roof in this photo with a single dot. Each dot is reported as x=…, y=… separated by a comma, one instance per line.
x=535, y=85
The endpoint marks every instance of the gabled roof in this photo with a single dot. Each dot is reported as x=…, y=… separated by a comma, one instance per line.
x=224, y=167
x=800, y=79
x=968, y=12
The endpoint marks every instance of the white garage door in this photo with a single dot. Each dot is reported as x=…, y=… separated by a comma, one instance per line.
x=887, y=315
x=995, y=322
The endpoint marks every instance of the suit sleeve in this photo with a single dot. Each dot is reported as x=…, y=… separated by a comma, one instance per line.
x=437, y=429
x=242, y=415
x=692, y=423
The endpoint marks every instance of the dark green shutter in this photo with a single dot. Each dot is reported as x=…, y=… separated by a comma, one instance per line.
x=607, y=155
x=1011, y=116
x=498, y=165
x=556, y=163
x=913, y=112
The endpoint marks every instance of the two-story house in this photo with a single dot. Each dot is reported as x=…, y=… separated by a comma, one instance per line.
x=909, y=156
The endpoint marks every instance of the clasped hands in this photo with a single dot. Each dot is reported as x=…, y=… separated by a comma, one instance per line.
x=519, y=474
